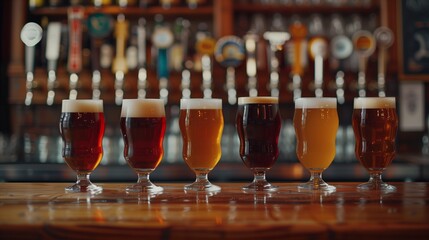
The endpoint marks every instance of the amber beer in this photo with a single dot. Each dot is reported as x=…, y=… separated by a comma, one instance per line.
x=375, y=125
x=82, y=128
x=316, y=122
x=258, y=125
x=143, y=126
x=201, y=125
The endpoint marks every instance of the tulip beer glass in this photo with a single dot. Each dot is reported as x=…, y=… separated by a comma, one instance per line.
x=375, y=125
x=82, y=129
x=143, y=126
x=201, y=125
x=258, y=125
x=316, y=122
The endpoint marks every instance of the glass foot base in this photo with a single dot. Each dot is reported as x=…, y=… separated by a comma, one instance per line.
x=149, y=188
x=260, y=187
x=204, y=186
x=91, y=188
x=316, y=186
x=376, y=186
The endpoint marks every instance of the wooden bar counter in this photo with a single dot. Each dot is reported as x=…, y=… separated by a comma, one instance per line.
x=45, y=211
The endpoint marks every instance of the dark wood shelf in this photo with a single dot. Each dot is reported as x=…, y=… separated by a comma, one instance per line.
x=203, y=11
x=305, y=9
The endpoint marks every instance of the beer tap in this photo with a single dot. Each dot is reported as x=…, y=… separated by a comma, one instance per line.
x=384, y=38
x=205, y=47
x=364, y=44
x=186, y=74
x=229, y=52
x=119, y=65
x=99, y=26
x=250, y=42
x=297, y=49
x=341, y=48
x=52, y=55
x=162, y=39
x=276, y=41
x=141, y=58
x=318, y=51
x=74, y=65
x=31, y=34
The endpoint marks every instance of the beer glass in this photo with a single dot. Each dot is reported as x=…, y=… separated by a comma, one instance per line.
x=316, y=122
x=143, y=126
x=201, y=125
x=82, y=128
x=375, y=125
x=258, y=125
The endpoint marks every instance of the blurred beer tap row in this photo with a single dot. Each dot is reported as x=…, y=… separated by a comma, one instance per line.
x=99, y=53
x=300, y=55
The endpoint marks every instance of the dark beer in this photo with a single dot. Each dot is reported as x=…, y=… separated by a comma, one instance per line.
x=375, y=125
x=143, y=127
x=258, y=125
x=143, y=138
x=82, y=129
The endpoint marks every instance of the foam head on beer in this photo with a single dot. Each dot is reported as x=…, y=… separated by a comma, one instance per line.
x=325, y=102
x=143, y=108
x=257, y=100
x=200, y=103
x=82, y=105
x=374, y=102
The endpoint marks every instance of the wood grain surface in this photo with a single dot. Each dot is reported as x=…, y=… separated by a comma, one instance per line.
x=45, y=211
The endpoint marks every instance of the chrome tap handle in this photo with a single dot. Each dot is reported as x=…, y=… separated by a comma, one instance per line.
x=230, y=85
x=31, y=34
x=142, y=83
x=119, y=83
x=207, y=76
x=96, y=80
x=186, y=83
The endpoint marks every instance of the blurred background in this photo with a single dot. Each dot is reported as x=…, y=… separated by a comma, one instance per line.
x=172, y=49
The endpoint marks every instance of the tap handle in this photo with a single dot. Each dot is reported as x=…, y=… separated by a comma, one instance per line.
x=364, y=44
x=384, y=38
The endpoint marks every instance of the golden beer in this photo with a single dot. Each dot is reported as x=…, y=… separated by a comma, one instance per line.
x=201, y=125
x=316, y=123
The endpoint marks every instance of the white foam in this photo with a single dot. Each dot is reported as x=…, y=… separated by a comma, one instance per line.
x=82, y=105
x=314, y=102
x=201, y=103
x=374, y=102
x=258, y=100
x=143, y=108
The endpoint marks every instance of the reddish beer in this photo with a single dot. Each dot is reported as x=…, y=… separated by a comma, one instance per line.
x=375, y=124
x=143, y=128
x=82, y=128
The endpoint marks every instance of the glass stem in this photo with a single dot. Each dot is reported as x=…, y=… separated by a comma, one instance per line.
x=202, y=177
x=316, y=179
x=83, y=179
x=375, y=178
x=259, y=177
x=143, y=177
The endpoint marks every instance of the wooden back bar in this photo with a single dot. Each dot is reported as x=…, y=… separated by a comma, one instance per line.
x=44, y=211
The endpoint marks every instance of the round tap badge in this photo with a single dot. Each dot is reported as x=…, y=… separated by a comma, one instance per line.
x=31, y=34
x=341, y=47
x=384, y=36
x=162, y=37
x=229, y=51
x=206, y=46
x=99, y=25
x=364, y=43
x=318, y=47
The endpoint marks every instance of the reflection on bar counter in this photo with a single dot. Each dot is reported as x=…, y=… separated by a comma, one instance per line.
x=206, y=49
